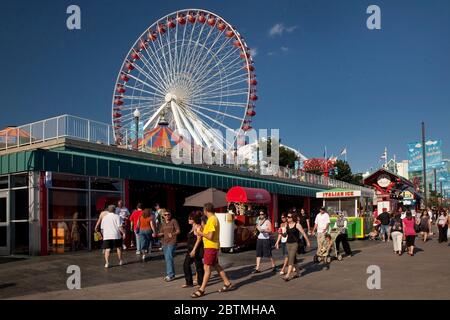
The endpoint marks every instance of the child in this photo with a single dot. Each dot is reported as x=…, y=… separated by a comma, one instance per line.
x=325, y=249
x=373, y=234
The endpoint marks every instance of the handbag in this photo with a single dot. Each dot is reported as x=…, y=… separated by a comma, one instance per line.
x=417, y=227
x=97, y=236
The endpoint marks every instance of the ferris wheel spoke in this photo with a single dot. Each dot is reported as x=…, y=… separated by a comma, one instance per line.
x=208, y=117
x=163, y=71
x=226, y=81
x=187, y=124
x=217, y=112
x=164, y=55
x=157, y=92
x=201, y=65
x=206, y=74
x=143, y=82
x=155, y=73
x=222, y=103
x=212, y=133
x=156, y=114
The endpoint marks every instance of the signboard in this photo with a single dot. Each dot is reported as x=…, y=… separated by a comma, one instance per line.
x=338, y=194
x=433, y=154
x=383, y=205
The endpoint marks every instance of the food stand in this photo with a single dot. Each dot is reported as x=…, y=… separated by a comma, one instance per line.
x=355, y=204
x=245, y=204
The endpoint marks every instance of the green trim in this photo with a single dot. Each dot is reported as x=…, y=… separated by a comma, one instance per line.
x=81, y=162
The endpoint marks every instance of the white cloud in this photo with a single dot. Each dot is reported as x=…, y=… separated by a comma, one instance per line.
x=254, y=52
x=284, y=49
x=279, y=28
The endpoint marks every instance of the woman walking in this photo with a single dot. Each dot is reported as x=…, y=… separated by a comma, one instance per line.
x=281, y=242
x=442, y=222
x=396, y=230
x=145, y=230
x=194, y=252
x=293, y=231
x=263, y=245
x=425, y=226
x=304, y=221
x=409, y=232
x=170, y=230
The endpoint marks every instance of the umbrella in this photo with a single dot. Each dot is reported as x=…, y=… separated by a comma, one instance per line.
x=214, y=196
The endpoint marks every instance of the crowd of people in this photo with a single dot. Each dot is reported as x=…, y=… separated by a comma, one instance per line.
x=403, y=227
x=143, y=228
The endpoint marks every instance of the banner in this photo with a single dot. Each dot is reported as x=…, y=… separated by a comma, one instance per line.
x=433, y=155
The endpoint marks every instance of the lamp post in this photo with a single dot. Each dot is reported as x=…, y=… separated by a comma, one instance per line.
x=136, y=115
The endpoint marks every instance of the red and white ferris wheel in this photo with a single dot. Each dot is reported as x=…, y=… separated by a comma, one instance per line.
x=193, y=69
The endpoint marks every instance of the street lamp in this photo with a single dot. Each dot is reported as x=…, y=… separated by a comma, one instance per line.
x=136, y=115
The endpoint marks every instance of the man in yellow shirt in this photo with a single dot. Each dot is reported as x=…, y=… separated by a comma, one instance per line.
x=211, y=245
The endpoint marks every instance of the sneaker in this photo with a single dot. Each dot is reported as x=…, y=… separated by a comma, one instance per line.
x=168, y=279
x=106, y=265
x=143, y=257
x=138, y=253
x=121, y=263
x=256, y=271
x=124, y=247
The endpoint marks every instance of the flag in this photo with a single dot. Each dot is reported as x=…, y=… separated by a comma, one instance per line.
x=384, y=155
x=344, y=151
x=325, y=153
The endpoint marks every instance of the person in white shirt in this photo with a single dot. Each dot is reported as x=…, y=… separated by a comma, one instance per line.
x=263, y=245
x=113, y=234
x=321, y=225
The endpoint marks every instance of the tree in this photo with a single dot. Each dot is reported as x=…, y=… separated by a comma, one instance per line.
x=343, y=172
x=287, y=157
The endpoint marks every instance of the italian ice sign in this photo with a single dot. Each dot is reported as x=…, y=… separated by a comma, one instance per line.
x=433, y=154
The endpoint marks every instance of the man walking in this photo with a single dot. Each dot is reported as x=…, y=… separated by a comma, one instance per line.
x=321, y=224
x=113, y=234
x=124, y=215
x=385, y=218
x=211, y=245
x=134, y=218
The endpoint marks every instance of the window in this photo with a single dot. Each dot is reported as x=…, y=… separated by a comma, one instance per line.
x=332, y=206
x=64, y=204
x=69, y=181
x=20, y=209
x=18, y=181
x=106, y=184
x=67, y=236
x=4, y=183
x=348, y=205
x=101, y=200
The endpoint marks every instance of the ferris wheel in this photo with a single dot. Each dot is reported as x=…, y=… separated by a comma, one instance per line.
x=194, y=71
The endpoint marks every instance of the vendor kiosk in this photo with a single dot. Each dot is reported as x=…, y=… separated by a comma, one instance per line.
x=245, y=204
x=355, y=204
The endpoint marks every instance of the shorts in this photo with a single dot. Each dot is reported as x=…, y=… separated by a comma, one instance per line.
x=263, y=248
x=284, y=251
x=384, y=229
x=112, y=244
x=210, y=256
x=410, y=240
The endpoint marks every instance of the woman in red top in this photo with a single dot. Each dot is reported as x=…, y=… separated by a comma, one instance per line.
x=409, y=233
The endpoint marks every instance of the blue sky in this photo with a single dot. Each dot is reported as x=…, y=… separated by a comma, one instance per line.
x=324, y=78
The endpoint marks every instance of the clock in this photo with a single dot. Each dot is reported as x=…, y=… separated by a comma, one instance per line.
x=384, y=181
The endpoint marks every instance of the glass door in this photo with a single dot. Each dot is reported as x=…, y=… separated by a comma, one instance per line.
x=4, y=224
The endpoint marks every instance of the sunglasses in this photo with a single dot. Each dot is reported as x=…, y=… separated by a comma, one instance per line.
x=283, y=217
x=167, y=215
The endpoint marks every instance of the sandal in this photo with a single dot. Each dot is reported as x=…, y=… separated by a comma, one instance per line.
x=226, y=288
x=197, y=294
x=186, y=286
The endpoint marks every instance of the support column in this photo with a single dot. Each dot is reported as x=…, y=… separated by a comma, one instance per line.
x=273, y=214
x=307, y=205
x=34, y=234
x=43, y=214
x=171, y=199
x=126, y=194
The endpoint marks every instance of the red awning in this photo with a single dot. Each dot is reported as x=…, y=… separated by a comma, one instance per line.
x=248, y=195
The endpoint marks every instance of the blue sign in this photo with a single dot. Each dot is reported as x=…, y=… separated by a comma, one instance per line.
x=433, y=155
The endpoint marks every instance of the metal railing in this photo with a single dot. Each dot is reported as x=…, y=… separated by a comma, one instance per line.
x=68, y=126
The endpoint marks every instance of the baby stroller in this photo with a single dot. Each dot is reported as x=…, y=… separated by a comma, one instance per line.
x=375, y=233
x=327, y=254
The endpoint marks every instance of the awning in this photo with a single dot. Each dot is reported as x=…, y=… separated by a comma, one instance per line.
x=248, y=195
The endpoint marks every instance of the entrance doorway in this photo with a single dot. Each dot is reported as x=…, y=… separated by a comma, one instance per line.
x=4, y=224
